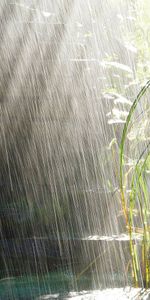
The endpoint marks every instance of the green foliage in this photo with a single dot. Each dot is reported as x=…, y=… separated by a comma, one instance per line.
x=139, y=193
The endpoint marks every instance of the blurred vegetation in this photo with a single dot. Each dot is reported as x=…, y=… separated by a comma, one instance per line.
x=125, y=68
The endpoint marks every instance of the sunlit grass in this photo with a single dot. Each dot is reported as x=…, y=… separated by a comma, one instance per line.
x=139, y=192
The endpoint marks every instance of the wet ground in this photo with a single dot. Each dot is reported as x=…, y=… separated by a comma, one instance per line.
x=57, y=285
x=36, y=269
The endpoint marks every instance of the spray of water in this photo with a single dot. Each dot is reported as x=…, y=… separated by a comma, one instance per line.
x=68, y=80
